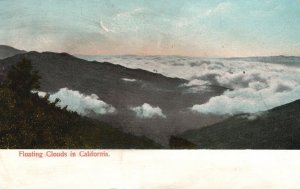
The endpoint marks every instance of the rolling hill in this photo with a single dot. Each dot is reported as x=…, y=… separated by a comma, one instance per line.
x=124, y=88
x=30, y=122
x=278, y=128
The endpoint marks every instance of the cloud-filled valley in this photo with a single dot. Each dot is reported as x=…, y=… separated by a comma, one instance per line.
x=252, y=86
x=197, y=92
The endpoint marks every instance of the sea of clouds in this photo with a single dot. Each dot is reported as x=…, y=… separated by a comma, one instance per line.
x=252, y=86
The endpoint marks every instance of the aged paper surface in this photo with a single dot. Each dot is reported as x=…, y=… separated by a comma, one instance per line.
x=96, y=93
x=135, y=169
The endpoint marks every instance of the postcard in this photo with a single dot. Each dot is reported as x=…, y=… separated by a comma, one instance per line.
x=149, y=94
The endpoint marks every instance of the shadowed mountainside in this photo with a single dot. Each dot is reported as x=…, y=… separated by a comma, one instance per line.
x=29, y=121
x=34, y=123
x=125, y=88
x=278, y=128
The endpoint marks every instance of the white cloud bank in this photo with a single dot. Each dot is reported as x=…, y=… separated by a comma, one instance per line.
x=246, y=101
x=148, y=111
x=254, y=88
x=80, y=103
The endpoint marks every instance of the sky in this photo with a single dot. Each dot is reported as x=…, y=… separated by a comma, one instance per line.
x=206, y=28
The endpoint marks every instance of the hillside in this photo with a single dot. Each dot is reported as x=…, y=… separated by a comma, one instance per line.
x=124, y=88
x=37, y=124
x=278, y=128
x=28, y=121
x=7, y=51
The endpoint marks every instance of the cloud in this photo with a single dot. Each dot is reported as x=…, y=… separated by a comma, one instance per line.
x=195, y=82
x=105, y=28
x=248, y=100
x=253, y=116
x=220, y=8
x=128, y=80
x=78, y=102
x=133, y=12
x=148, y=111
x=196, y=86
x=40, y=93
x=254, y=86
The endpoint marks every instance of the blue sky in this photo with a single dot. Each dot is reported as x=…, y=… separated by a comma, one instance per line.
x=166, y=27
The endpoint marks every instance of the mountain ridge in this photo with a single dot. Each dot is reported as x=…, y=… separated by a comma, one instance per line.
x=123, y=88
x=8, y=51
x=277, y=128
x=280, y=59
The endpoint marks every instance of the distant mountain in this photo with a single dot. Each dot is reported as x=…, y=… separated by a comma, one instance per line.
x=124, y=89
x=278, y=128
x=287, y=60
x=7, y=51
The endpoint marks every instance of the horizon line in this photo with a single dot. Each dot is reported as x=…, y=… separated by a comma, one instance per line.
x=162, y=55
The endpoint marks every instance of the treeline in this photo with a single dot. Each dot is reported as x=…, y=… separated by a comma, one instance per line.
x=28, y=121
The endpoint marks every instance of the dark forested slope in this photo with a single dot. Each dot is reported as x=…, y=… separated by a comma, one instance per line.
x=278, y=128
x=28, y=121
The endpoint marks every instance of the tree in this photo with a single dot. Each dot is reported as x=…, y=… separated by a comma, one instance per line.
x=21, y=79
